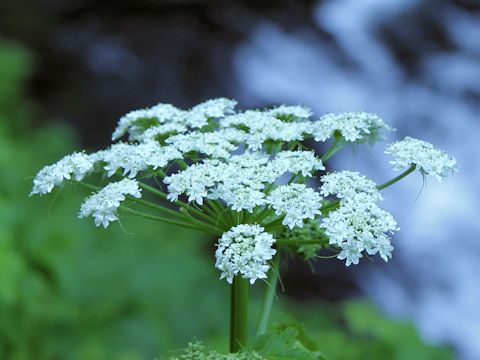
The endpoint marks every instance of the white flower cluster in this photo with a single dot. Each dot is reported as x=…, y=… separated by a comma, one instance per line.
x=427, y=157
x=164, y=133
x=244, y=250
x=353, y=126
x=76, y=165
x=136, y=122
x=347, y=184
x=287, y=112
x=239, y=180
x=133, y=158
x=296, y=162
x=359, y=226
x=160, y=131
x=103, y=205
x=216, y=144
x=263, y=126
x=238, y=158
x=297, y=202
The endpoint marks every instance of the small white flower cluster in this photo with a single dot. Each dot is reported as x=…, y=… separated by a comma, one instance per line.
x=239, y=180
x=347, y=184
x=427, y=157
x=244, y=250
x=159, y=131
x=297, y=202
x=288, y=112
x=353, y=126
x=136, y=122
x=216, y=144
x=359, y=226
x=133, y=158
x=263, y=126
x=103, y=205
x=76, y=165
x=296, y=162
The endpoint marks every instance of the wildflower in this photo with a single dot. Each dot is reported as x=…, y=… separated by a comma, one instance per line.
x=237, y=159
x=294, y=162
x=215, y=108
x=136, y=122
x=286, y=112
x=360, y=225
x=160, y=131
x=262, y=126
x=76, y=165
x=240, y=179
x=353, y=126
x=428, y=158
x=347, y=184
x=103, y=205
x=217, y=144
x=135, y=158
x=244, y=250
x=296, y=202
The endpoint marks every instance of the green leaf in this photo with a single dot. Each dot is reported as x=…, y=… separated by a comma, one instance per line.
x=287, y=343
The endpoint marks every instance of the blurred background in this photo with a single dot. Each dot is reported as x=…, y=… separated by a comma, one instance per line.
x=70, y=69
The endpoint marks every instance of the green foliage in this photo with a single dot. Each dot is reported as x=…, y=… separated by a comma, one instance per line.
x=287, y=343
x=357, y=330
x=15, y=65
x=283, y=343
x=69, y=290
x=197, y=351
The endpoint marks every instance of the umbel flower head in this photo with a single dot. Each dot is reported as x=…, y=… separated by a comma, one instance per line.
x=244, y=249
x=429, y=159
x=251, y=177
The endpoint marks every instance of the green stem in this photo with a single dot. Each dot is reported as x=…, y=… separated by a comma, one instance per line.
x=301, y=242
x=269, y=296
x=263, y=213
x=398, y=178
x=274, y=222
x=163, y=196
x=336, y=145
x=238, y=314
x=158, y=218
x=201, y=225
x=88, y=186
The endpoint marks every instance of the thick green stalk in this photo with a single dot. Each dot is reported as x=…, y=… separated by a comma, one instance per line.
x=238, y=314
x=269, y=296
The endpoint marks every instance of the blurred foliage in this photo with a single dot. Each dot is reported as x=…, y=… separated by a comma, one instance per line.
x=350, y=331
x=69, y=290
x=15, y=66
x=357, y=330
